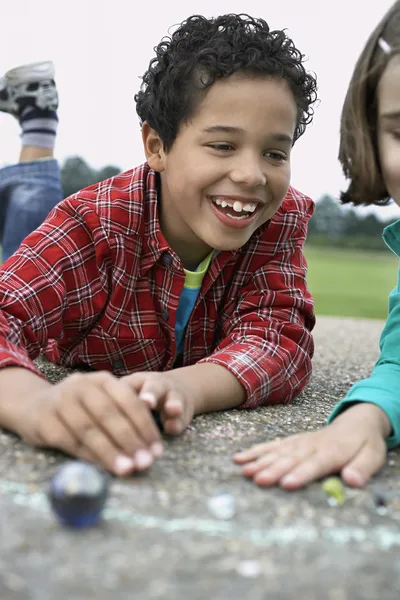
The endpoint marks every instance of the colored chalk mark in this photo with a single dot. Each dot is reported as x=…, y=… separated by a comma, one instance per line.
x=381, y=537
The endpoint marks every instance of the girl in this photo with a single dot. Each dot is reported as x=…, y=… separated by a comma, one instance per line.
x=367, y=421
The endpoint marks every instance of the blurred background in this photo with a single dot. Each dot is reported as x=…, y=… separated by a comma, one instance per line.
x=101, y=49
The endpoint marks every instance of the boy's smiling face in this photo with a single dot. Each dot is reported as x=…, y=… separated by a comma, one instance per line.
x=228, y=169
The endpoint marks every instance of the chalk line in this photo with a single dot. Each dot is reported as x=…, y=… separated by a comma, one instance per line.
x=379, y=537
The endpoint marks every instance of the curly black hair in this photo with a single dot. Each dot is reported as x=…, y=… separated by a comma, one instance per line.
x=200, y=51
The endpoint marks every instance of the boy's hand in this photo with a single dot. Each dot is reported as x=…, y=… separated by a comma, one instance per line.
x=96, y=417
x=352, y=445
x=161, y=392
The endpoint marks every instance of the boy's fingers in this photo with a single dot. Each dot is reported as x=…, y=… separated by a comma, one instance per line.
x=364, y=464
x=87, y=440
x=151, y=388
x=174, y=426
x=52, y=432
x=136, y=382
x=98, y=424
x=153, y=393
x=102, y=413
x=176, y=413
x=96, y=445
x=174, y=405
x=139, y=428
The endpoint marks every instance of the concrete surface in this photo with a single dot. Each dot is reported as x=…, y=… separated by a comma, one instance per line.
x=159, y=539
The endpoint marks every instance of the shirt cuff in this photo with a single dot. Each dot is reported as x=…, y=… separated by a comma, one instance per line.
x=367, y=390
x=10, y=359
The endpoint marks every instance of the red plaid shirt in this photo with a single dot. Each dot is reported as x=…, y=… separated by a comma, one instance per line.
x=97, y=284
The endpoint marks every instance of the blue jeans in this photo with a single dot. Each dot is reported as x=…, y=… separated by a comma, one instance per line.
x=28, y=192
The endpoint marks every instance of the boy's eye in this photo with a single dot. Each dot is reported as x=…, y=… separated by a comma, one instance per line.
x=276, y=156
x=223, y=147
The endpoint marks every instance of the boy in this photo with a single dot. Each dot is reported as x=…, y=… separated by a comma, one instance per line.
x=184, y=277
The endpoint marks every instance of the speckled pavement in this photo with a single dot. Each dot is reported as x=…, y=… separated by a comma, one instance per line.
x=159, y=539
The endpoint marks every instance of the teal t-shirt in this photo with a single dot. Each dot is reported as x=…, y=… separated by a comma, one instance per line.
x=382, y=388
x=187, y=299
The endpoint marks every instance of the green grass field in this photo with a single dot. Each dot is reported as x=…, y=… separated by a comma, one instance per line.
x=351, y=283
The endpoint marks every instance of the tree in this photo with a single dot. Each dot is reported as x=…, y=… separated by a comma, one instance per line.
x=352, y=223
x=370, y=225
x=328, y=218
x=77, y=174
x=337, y=226
x=106, y=172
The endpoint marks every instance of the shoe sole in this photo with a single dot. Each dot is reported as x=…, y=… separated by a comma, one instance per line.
x=33, y=72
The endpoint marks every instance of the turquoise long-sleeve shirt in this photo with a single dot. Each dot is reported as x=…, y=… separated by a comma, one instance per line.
x=383, y=386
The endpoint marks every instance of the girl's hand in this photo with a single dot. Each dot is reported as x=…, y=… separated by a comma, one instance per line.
x=352, y=445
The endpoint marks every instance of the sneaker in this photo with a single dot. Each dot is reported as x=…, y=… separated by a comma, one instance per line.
x=28, y=85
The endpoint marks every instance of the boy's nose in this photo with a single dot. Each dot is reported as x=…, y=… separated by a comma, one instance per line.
x=249, y=173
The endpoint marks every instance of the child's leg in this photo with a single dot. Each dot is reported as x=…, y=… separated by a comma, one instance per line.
x=352, y=445
x=30, y=189
x=28, y=192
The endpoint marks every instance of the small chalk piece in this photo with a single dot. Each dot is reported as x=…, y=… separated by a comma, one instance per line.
x=249, y=568
x=77, y=494
x=222, y=506
x=334, y=489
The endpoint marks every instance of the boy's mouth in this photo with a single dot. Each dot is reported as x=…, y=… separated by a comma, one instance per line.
x=234, y=207
x=232, y=211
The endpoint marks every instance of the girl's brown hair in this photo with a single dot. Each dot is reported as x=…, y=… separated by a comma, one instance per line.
x=358, y=151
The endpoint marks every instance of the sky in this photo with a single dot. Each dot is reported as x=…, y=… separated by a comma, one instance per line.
x=101, y=48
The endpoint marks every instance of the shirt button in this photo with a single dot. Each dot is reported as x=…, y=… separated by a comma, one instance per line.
x=167, y=259
x=117, y=364
x=165, y=315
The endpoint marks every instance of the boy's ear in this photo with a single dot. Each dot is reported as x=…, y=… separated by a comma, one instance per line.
x=153, y=148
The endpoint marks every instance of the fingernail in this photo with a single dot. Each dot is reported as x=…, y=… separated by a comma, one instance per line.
x=123, y=464
x=353, y=477
x=143, y=459
x=149, y=398
x=289, y=479
x=174, y=404
x=157, y=449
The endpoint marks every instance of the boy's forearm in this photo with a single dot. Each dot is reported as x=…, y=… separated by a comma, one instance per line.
x=17, y=385
x=214, y=387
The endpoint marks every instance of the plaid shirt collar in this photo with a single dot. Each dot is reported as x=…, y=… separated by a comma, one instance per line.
x=154, y=242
